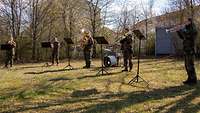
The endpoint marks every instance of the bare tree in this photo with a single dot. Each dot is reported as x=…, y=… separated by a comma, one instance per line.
x=147, y=13
x=184, y=6
x=69, y=10
x=95, y=7
x=38, y=13
x=12, y=11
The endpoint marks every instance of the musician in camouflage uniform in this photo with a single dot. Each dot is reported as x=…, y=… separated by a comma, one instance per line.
x=87, y=43
x=190, y=34
x=10, y=53
x=55, y=51
x=126, y=47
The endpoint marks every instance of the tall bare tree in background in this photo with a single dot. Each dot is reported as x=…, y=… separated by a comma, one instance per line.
x=124, y=19
x=13, y=11
x=68, y=11
x=94, y=8
x=147, y=13
x=184, y=6
x=38, y=13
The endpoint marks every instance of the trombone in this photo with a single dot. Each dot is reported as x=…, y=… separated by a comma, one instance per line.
x=177, y=27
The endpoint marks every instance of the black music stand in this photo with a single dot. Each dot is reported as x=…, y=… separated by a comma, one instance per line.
x=46, y=45
x=6, y=47
x=101, y=40
x=69, y=43
x=138, y=78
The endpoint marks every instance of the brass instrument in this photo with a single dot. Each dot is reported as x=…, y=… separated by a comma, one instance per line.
x=11, y=42
x=177, y=27
x=86, y=38
x=84, y=41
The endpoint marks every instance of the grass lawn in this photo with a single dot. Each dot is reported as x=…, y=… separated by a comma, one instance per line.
x=30, y=88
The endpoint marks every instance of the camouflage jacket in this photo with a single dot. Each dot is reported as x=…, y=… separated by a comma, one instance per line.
x=126, y=43
x=189, y=39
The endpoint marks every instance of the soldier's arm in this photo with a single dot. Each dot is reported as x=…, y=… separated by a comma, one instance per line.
x=194, y=31
x=52, y=46
x=14, y=44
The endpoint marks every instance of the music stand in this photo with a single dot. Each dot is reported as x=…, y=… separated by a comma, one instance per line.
x=137, y=78
x=101, y=40
x=46, y=45
x=6, y=46
x=69, y=42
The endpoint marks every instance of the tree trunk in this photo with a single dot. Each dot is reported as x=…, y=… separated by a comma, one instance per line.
x=34, y=49
x=94, y=50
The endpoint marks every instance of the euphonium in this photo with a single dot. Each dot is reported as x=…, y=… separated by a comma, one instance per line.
x=84, y=41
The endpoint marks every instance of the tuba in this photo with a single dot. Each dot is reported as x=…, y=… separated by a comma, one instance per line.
x=84, y=41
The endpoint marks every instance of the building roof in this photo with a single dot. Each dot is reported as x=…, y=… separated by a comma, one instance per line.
x=167, y=19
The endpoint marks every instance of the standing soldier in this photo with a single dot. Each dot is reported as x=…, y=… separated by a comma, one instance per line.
x=87, y=43
x=10, y=53
x=55, y=51
x=126, y=47
x=188, y=48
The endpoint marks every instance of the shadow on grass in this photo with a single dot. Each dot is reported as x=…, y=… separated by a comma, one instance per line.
x=188, y=93
x=50, y=71
x=84, y=93
x=94, y=76
x=59, y=79
x=27, y=67
x=107, y=68
x=164, y=69
x=103, y=103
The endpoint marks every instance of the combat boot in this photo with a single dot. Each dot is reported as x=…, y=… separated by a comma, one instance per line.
x=131, y=67
x=125, y=70
x=190, y=82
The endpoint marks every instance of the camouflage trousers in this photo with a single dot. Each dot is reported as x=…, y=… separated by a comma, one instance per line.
x=128, y=60
x=87, y=57
x=55, y=56
x=189, y=66
x=9, y=60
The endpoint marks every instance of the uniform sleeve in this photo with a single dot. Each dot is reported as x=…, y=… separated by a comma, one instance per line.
x=194, y=31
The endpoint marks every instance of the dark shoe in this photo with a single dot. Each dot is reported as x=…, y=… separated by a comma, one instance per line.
x=190, y=82
x=131, y=67
x=125, y=70
x=86, y=67
x=186, y=82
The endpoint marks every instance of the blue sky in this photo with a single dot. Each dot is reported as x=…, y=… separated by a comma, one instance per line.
x=158, y=6
x=118, y=5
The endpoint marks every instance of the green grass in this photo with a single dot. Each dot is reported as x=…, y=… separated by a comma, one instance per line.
x=30, y=88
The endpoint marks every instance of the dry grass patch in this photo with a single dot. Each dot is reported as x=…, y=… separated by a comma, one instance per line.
x=32, y=88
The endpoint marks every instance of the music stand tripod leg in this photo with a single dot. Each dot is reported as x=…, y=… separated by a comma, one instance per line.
x=137, y=78
x=46, y=64
x=102, y=70
x=68, y=67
